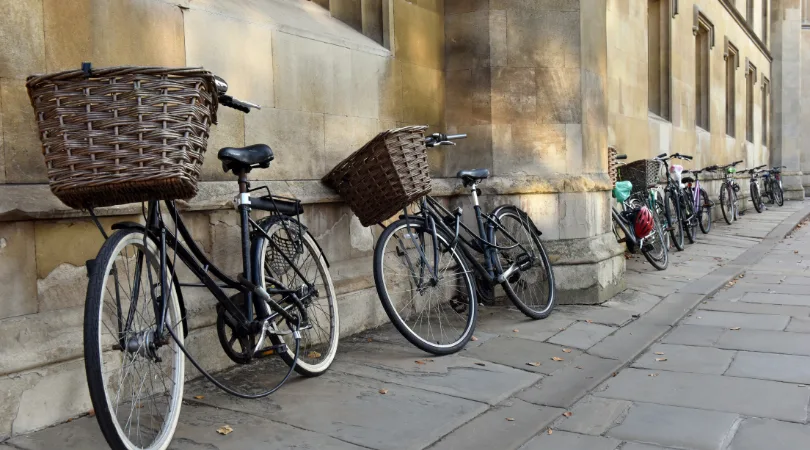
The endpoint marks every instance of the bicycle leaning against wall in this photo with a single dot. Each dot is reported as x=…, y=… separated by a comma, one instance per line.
x=426, y=263
x=728, y=193
x=700, y=199
x=678, y=212
x=772, y=180
x=753, y=184
x=135, y=322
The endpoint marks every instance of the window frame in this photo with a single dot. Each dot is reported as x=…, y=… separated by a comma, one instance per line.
x=702, y=102
x=664, y=72
x=731, y=86
x=766, y=110
x=750, y=83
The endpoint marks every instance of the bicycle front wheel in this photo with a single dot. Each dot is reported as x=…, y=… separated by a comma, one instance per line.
x=778, y=193
x=319, y=338
x=727, y=203
x=655, y=247
x=135, y=378
x=674, y=222
x=704, y=212
x=689, y=217
x=531, y=286
x=433, y=310
x=756, y=198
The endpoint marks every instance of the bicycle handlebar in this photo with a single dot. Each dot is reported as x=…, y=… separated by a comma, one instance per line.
x=622, y=156
x=442, y=139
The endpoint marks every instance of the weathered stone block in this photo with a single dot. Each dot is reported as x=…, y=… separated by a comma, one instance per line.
x=529, y=149
x=418, y=35
x=422, y=95
x=113, y=33
x=583, y=214
x=514, y=95
x=367, y=72
x=21, y=38
x=477, y=150
x=464, y=6
x=17, y=269
x=229, y=132
x=543, y=38
x=21, y=146
x=558, y=95
x=467, y=40
x=290, y=134
x=344, y=135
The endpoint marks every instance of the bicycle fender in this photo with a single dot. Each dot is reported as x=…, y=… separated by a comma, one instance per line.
x=521, y=213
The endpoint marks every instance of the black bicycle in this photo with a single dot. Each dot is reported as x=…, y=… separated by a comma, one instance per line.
x=426, y=265
x=728, y=193
x=679, y=211
x=772, y=180
x=135, y=321
x=753, y=184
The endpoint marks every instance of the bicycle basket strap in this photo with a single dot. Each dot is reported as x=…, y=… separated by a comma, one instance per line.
x=622, y=190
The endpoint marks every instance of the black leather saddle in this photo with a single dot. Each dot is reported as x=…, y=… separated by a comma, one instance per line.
x=253, y=156
x=470, y=177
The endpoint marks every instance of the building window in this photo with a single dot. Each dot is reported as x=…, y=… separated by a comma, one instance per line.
x=732, y=62
x=806, y=11
x=750, y=80
x=703, y=44
x=749, y=12
x=766, y=109
x=658, y=69
x=765, y=21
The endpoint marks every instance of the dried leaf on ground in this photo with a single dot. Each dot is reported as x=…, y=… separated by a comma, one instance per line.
x=473, y=338
x=419, y=361
x=91, y=413
x=615, y=373
x=550, y=431
x=515, y=330
x=659, y=353
x=568, y=414
x=653, y=375
x=734, y=328
x=369, y=339
x=660, y=359
x=313, y=354
x=556, y=358
x=588, y=320
x=199, y=397
x=383, y=391
x=566, y=350
x=225, y=430
x=510, y=419
x=535, y=364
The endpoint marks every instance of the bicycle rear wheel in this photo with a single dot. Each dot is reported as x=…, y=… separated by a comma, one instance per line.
x=727, y=203
x=318, y=345
x=657, y=254
x=778, y=193
x=135, y=378
x=674, y=222
x=531, y=286
x=704, y=212
x=689, y=218
x=436, y=315
x=756, y=198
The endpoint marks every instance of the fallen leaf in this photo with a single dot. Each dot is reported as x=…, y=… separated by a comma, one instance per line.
x=567, y=414
x=660, y=359
x=225, y=430
x=199, y=397
x=313, y=354
x=369, y=339
x=383, y=391
x=615, y=373
x=420, y=362
x=556, y=358
x=577, y=367
x=510, y=419
x=659, y=353
x=699, y=317
x=795, y=251
x=480, y=364
x=70, y=420
x=535, y=364
x=566, y=350
x=653, y=375
x=92, y=413
x=734, y=328
x=473, y=338
x=515, y=330
x=589, y=320
x=550, y=431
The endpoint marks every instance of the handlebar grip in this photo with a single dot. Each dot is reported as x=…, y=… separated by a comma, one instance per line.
x=736, y=162
x=621, y=157
x=230, y=102
x=662, y=155
x=450, y=137
x=687, y=157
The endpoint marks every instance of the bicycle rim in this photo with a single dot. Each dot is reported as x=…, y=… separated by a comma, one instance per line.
x=319, y=344
x=705, y=212
x=136, y=398
x=780, y=195
x=658, y=256
x=436, y=316
x=674, y=221
x=756, y=198
x=726, y=205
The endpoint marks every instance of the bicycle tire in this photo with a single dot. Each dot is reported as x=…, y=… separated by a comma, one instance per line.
x=779, y=193
x=108, y=266
x=314, y=358
x=661, y=261
x=470, y=305
x=688, y=217
x=660, y=211
x=673, y=213
x=726, y=203
x=756, y=198
x=515, y=285
x=704, y=212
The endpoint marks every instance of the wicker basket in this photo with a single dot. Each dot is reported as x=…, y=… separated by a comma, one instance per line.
x=123, y=134
x=385, y=175
x=641, y=173
x=613, y=163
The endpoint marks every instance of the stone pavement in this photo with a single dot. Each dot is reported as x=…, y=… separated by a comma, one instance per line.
x=644, y=371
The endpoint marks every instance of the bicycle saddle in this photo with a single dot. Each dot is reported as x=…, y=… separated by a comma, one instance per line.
x=472, y=176
x=235, y=158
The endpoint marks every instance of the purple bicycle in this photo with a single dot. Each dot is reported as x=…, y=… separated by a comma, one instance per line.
x=700, y=200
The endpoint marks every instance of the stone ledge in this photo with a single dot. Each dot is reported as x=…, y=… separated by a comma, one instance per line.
x=36, y=202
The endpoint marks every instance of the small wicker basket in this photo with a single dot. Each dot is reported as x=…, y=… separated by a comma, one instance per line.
x=641, y=173
x=385, y=175
x=123, y=134
x=613, y=163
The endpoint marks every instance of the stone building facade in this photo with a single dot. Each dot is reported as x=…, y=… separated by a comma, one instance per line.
x=542, y=87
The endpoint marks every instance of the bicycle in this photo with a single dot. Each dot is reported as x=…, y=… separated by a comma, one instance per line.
x=653, y=245
x=773, y=185
x=422, y=260
x=700, y=199
x=728, y=192
x=677, y=209
x=756, y=195
x=135, y=329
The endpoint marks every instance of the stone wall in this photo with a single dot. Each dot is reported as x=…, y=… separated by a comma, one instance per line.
x=641, y=134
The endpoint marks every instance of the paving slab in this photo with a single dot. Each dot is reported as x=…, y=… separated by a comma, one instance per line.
x=519, y=353
x=759, y=434
x=637, y=446
x=759, y=398
x=350, y=409
x=452, y=375
x=799, y=325
x=596, y=314
x=769, y=366
x=501, y=321
x=636, y=302
x=493, y=429
x=777, y=299
x=629, y=341
x=732, y=320
x=765, y=341
x=672, y=309
x=582, y=335
x=676, y=427
x=196, y=431
x=694, y=335
x=594, y=415
x=801, y=280
x=569, y=384
x=746, y=307
x=683, y=358
x=570, y=441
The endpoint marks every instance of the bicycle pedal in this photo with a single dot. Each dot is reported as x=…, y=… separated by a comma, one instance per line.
x=271, y=350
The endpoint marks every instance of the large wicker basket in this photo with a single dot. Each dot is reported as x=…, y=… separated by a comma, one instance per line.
x=641, y=173
x=123, y=134
x=385, y=175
